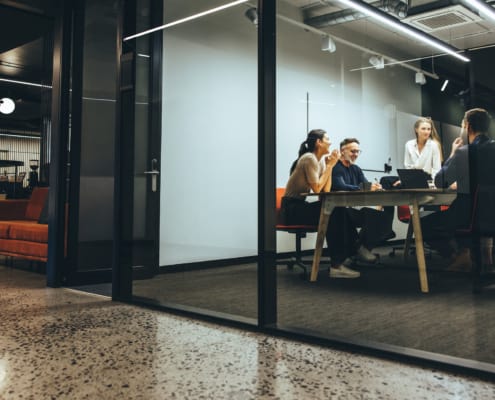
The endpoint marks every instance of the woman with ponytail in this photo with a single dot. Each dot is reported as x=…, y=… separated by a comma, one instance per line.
x=312, y=171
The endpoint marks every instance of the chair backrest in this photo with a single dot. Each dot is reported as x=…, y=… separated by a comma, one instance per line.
x=403, y=213
x=278, y=205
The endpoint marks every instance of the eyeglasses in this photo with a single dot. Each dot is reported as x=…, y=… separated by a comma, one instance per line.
x=356, y=151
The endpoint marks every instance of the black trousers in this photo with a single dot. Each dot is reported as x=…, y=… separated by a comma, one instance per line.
x=341, y=234
x=375, y=225
x=439, y=228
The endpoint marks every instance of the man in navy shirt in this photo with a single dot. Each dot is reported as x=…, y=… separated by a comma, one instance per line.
x=376, y=225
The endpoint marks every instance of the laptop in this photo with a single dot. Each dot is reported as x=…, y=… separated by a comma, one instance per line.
x=413, y=178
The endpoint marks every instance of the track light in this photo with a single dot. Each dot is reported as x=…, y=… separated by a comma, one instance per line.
x=186, y=19
x=252, y=15
x=7, y=105
x=327, y=44
x=420, y=78
x=377, y=62
x=445, y=83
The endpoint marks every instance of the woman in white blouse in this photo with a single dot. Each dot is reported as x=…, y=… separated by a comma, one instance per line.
x=424, y=152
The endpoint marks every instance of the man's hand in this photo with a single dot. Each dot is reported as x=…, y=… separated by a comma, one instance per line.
x=455, y=145
x=375, y=186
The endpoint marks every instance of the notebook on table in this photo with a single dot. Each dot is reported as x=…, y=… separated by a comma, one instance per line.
x=413, y=178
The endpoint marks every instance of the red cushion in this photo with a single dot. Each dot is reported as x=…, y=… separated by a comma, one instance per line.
x=4, y=229
x=29, y=231
x=30, y=250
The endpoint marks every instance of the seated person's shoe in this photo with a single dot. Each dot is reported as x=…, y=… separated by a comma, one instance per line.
x=363, y=254
x=461, y=262
x=341, y=271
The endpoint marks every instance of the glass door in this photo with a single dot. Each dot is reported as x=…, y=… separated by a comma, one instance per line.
x=188, y=161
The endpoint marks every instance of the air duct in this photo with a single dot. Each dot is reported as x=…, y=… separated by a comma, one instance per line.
x=396, y=7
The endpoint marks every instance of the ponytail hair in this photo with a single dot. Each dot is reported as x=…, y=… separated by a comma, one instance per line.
x=308, y=145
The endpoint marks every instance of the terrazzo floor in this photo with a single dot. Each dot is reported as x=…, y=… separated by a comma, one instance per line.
x=65, y=344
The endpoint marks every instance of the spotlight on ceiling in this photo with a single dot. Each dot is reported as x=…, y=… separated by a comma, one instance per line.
x=445, y=83
x=420, y=78
x=7, y=105
x=377, y=62
x=252, y=15
x=327, y=44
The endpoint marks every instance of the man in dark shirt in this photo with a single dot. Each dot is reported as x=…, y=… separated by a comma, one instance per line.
x=467, y=166
x=376, y=225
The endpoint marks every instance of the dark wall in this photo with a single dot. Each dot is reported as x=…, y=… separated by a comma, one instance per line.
x=470, y=85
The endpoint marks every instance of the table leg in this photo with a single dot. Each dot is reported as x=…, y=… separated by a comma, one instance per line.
x=326, y=210
x=420, y=252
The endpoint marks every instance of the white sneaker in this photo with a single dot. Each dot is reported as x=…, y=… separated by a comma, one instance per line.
x=363, y=254
x=341, y=271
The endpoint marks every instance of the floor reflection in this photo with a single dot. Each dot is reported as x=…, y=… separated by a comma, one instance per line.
x=76, y=345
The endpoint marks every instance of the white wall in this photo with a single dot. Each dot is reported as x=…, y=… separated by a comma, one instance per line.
x=209, y=150
x=209, y=140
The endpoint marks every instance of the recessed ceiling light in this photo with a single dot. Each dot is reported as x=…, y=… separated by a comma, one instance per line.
x=7, y=105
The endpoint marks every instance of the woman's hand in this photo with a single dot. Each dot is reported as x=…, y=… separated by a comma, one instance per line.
x=332, y=158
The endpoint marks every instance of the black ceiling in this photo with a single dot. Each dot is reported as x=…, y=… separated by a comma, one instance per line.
x=25, y=55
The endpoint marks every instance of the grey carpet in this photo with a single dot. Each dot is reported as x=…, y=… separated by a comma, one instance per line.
x=384, y=305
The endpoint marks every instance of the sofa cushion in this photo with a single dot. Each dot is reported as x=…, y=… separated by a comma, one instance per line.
x=36, y=203
x=28, y=231
x=4, y=229
x=29, y=250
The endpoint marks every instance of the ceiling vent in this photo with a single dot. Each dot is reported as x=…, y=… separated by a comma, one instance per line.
x=442, y=18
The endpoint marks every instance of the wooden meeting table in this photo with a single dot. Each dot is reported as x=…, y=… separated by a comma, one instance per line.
x=412, y=197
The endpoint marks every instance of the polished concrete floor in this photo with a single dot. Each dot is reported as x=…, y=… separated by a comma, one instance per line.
x=65, y=344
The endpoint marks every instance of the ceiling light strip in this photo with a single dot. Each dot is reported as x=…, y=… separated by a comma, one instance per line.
x=190, y=18
x=393, y=61
x=445, y=83
x=483, y=8
x=25, y=83
x=20, y=136
x=394, y=23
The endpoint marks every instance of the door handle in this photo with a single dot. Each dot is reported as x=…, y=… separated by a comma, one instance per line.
x=154, y=173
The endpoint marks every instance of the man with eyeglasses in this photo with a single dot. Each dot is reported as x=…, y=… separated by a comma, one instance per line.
x=376, y=225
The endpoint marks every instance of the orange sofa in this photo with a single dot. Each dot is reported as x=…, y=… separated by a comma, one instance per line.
x=21, y=235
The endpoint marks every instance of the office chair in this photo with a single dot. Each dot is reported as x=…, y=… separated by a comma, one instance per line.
x=299, y=230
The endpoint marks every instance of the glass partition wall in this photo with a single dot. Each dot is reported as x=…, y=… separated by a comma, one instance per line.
x=356, y=77
x=352, y=77
x=206, y=164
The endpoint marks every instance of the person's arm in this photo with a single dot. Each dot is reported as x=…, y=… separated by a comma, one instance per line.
x=325, y=182
x=339, y=182
x=448, y=173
